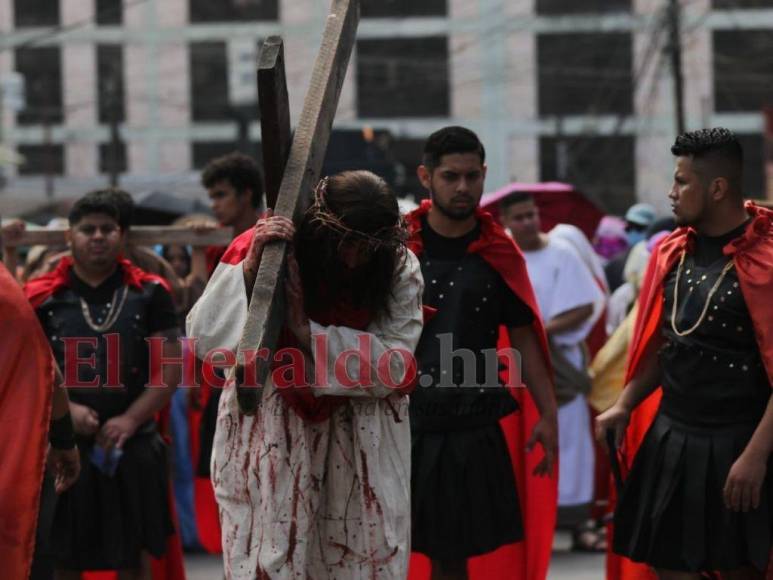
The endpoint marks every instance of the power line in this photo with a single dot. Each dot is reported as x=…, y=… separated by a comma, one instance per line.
x=63, y=29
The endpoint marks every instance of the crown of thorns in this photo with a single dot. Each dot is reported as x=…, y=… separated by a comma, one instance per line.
x=321, y=215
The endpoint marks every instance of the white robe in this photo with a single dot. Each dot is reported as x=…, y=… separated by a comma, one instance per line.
x=311, y=500
x=561, y=283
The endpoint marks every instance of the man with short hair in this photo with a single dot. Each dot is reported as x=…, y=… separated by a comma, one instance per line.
x=234, y=185
x=116, y=515
x=465, y=501
x=698, y=496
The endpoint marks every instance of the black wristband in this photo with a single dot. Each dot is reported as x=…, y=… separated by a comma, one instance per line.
x=60, y=434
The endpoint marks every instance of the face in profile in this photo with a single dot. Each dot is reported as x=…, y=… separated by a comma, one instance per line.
x=522, y=219
x=96, y=241
x=688, y=193
x=456, y=184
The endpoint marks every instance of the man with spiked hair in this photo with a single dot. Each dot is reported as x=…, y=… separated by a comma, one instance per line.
x=696, y=415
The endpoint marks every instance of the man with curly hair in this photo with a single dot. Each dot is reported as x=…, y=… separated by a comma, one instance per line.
x=696, y=413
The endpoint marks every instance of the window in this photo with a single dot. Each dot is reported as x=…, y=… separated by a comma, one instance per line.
x=584, y=74
x=741, y=4
x=42, y=70
x=110, y=87
x=555, y=7
x=202, y=152
x=407, y=154
x=392, y=81
x=109, y=12
x=106, y=157
x=753, y=165
x=35, y=13
x=42, y=159
x=209, y=81
x=742, y=69
x=233, y=10
x=600, y=167
x=403, y=8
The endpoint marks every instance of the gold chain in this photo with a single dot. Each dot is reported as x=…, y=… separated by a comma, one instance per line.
x=713, y=291
x=112, y=315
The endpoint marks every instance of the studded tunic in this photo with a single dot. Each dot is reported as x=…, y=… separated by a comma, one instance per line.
x=104, y=521
x=714, y=375
x=472, y=301
x=671, y=513
x=464, y=501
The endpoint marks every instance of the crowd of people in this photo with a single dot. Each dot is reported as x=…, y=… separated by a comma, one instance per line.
x=393, y=437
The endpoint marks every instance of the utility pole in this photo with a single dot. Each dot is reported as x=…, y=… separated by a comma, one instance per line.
x=48, y=155
x=115, y=137
x=675, y=52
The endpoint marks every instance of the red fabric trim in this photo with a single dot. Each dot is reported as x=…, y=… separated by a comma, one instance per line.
x=753, y=256
x=39, y=289
x=26, y=379
x=528, y=559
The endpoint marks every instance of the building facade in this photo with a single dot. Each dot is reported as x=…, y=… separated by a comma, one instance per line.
x=558, y=89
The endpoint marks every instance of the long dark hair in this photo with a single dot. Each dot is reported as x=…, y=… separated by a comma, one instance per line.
x=352, y=206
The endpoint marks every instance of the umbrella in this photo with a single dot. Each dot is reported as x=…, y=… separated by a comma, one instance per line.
x=558, y=203
x=158, y=207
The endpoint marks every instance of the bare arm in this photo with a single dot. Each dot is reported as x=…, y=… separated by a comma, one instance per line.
x=646, y=380
x=153, y=400
x=540, y=385
x=116, y=431
x=569, y=320
x=60, y=404
x=534, y=369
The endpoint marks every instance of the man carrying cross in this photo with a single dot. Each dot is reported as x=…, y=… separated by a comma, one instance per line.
x=316, y=483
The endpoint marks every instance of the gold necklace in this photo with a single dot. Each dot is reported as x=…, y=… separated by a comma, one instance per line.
x=713, y=291
x=116, y=306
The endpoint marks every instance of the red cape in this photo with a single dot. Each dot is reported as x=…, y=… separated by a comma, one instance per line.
x=26, y=387
x=529, y=559
x=37, y=290
x=752, y=254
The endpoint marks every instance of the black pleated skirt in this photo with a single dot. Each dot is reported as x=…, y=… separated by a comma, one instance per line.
x=671, y=514
x=103, y=523
x=464, y=500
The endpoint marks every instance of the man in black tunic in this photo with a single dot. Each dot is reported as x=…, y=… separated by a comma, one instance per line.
x=464, y=498
x=698, y=497
x=97, y=305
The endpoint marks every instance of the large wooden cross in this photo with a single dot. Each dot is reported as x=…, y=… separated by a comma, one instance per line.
x=288, y=185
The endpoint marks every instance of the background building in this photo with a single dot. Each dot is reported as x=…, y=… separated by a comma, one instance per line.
x=579, y=91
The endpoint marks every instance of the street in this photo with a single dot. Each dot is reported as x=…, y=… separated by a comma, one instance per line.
x=566, y=565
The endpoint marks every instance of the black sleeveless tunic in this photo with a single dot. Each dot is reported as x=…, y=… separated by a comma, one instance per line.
x=104, y=522
x=671, y=513
x=464, y=497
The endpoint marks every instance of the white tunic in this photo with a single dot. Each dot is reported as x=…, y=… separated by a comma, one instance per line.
x=561, y=283
x=309, y=500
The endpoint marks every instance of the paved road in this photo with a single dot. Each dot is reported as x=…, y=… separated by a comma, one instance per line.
x=565, y=565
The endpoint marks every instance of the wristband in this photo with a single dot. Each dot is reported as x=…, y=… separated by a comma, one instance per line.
x=60, y=434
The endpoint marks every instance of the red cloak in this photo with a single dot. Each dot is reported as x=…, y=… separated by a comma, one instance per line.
x=529, y=559
x=37, y=290
x=752, y=254
x=26, y=387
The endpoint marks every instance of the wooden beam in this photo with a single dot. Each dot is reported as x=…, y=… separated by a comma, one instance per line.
x=138, y=235
x=266, y=314
x=276, y=135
